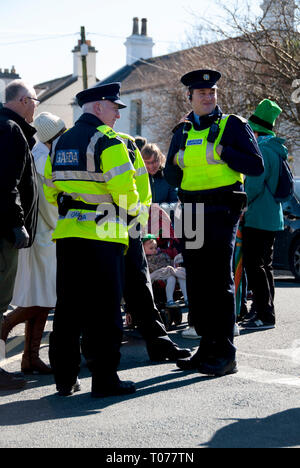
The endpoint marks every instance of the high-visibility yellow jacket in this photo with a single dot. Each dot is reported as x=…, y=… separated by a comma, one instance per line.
x=202, y=167
x=91, y=163
x=141, y=177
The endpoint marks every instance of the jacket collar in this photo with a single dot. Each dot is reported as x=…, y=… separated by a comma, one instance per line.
x=27, y=129
x=90, y=119
x=205, y=120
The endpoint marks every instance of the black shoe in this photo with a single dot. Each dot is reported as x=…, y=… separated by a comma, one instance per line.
x=191, y=363
x=256, y=324
x=9, y=381
x=67, y=390
x=218, y=367
x=117, y=388
x=161, y=349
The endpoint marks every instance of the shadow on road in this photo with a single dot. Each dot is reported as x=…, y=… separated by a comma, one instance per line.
x=53, y=407
x=276, y=431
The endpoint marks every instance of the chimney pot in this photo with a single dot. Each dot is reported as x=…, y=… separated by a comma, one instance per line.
x=135, y=31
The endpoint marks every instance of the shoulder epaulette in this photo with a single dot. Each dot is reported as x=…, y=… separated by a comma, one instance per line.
x=242, y=119
x=125, y=136
x=181, y=125
x=107, y=131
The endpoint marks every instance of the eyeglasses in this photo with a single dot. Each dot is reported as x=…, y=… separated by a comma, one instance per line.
x=37, y=101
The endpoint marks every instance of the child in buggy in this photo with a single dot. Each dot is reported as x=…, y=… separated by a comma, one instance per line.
x=163, y=269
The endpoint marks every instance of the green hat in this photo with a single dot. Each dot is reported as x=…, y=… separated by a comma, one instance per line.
x=148, y=237
x=264, y=117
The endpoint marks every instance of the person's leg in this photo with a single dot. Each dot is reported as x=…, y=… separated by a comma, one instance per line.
x=209, y=273
x=182, y=284
x=34, y=328
x=64, y=349
x=14, y=318
x=8, y=271
x=258, y=259
x=170, y=288
x=138, y=295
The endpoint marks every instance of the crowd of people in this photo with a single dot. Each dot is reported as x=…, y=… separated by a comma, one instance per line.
x=85, y=200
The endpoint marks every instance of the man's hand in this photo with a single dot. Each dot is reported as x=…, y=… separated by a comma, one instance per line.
x=21, y=237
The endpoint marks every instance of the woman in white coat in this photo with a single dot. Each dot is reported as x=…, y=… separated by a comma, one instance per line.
x=35, y=288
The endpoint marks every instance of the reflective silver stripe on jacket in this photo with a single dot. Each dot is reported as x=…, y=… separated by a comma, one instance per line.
x=181, y=159
x=141, y=171
x=48, y=183
x=136, y=208
x=119, y=170
x=91, y=198
x=210, y=155
x=78, y=175
x=90, y=152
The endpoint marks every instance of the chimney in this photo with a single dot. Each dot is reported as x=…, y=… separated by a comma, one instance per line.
x=144, y=27
x=138, y=46
x=91, y=61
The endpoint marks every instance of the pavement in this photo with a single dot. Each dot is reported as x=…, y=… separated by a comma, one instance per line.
x=259, y=407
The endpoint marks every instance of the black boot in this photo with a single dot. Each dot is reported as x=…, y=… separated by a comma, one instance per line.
x=191, y=363
x=105, y=386
x=68, y=390
x=162, y=348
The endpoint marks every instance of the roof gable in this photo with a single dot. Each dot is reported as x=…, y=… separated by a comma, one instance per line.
x=50, y=88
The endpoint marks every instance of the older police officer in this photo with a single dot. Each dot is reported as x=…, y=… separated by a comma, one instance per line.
x=208, y=154
x=92, y=179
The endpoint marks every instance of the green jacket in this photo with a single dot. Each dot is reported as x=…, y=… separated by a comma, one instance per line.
x=263, y=211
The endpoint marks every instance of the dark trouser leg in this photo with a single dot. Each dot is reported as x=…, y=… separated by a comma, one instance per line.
x=8, y=271
x=89, y=291
x=258, y=248
x=138, y=293
x=210, y=284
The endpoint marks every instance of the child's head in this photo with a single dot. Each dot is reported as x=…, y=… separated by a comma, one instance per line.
x=150, y=246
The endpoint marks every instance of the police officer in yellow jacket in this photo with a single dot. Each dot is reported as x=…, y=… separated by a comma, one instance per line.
x=92, y=179
x=207, y=157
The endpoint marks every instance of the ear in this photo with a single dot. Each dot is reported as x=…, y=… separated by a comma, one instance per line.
x=189, y=95
x=97, y=108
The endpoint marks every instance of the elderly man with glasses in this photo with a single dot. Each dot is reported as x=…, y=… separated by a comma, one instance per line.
x=18, y=195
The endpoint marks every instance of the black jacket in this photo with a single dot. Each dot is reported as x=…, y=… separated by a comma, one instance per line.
x=18, y=179
x=162, y=191
x=240, y=151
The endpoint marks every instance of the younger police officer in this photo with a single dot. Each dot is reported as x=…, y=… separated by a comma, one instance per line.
x=92, y=179
x=206, y=160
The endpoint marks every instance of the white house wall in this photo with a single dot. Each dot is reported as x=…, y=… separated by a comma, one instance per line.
x=61, y=103
x=124, y=125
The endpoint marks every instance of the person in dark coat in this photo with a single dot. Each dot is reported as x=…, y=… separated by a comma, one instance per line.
x=18, y=194
x=162, y=191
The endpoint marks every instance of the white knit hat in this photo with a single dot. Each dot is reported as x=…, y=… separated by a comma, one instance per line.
x=47, y=126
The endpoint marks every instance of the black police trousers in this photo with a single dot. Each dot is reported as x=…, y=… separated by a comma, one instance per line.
x=90, y=277
x=210, y=281
x=138, y=293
